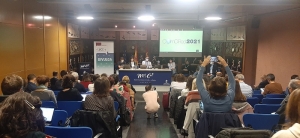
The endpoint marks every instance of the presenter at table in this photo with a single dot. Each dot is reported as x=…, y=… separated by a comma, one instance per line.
x=172, y=66
x=147, y=63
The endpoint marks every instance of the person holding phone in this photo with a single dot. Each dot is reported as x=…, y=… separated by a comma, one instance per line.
x=212, y=68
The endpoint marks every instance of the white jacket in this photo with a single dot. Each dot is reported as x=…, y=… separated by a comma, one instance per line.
x=292, y=132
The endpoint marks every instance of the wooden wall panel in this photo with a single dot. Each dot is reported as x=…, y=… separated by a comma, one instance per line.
x=11, y=48
x=63, y=54
x=11, y=12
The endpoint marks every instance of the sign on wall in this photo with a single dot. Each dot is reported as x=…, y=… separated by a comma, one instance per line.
x=104, y=57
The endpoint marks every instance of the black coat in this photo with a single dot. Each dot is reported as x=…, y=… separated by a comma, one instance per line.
x=180, y=112
x=211, y=123
x=214, y=70
x=174, y=96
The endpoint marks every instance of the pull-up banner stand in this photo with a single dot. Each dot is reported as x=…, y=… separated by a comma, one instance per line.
x=104, y=57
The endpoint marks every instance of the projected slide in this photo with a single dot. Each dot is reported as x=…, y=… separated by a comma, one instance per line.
x=180, y=43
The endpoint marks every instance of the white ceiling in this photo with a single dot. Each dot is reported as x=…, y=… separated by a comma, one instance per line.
x=171, y=11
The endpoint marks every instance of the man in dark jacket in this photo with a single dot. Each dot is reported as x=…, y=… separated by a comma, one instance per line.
x=10, y=85
x=294, y=84
x=31, y=86
x=59, y=82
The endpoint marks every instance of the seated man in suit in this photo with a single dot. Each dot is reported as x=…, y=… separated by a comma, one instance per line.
x=186, y=69
x=147, y=63
x=211, y=69
x=10, y=85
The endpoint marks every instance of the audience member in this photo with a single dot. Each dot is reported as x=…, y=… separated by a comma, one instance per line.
x=102, y=75
x=293, y=85
x=69, y=93
x=31, y=85
x=172, y=66
x=58, y=84
x=218, y=98
x=78, y=85
x=127, y=80
x=245, y=88
x=179, y=83
x=116, y=83
x=147, y=63
x=113, y=93
x=53, y=80
x=126, y=94
x=11, y=84
x=188, y=86
x=42, y=90
x=100, y=100
x=273, y=87
x=151, y=98
x=86, y=80
x=197, y=69
x=219, y=74
x=287, y=92
x=263, y=83
x=95, y=77
x=21, y=117
x=240, y=106
x=193, y=95
x=186, y=69
x=291, y=128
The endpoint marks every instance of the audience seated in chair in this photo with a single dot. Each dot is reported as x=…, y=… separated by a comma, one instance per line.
x=263, y=83
x=69, y=93
x=42, y=90
x=78, y=85
x=86, y=80
x=291, y=129
x=91, y=86
x=31, y=85
x=179, y=82
x=218, y=98
x=245, y=88
x=11, y=84
x=58, y=84
x=131, y=90
x=188, y=86
x=21, y=117
x=273, y=87
x=53, y=80
x=293, y=85
x=240, y=106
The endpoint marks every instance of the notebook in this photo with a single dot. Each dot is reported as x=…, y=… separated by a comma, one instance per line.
x=47, y=113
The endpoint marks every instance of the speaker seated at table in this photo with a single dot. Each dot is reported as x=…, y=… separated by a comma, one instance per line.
x=143, y=66
x=126, y=66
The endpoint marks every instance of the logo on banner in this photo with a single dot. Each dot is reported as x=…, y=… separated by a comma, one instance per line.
x=85, y=66
x=145, y=75
x=98, y=44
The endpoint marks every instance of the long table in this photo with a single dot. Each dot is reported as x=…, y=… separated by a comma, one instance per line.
x=146, y=76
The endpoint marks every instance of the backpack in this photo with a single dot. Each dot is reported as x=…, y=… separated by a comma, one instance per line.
x=243, y=133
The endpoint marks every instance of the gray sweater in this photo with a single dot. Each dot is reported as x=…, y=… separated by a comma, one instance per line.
x=210, y=104
x=45, y=95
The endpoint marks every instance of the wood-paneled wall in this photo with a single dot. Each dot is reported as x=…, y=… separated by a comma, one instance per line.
x=29, y=45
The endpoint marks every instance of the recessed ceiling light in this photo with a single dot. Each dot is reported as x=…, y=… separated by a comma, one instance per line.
x=116, y=26
x=85, y=17
x=213, y=18
x=42, y=17
x=133, y=26
x=146, y=18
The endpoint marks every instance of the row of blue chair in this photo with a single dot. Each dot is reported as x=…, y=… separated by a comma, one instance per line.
x=266, y=108
x=259, y=92
x=254, y=100
x=261, y=121
x=69, y=106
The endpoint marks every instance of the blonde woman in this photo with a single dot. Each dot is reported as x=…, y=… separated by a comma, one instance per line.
x=131, y=89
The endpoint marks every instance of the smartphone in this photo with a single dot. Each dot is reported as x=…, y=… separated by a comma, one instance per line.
x=214, y=59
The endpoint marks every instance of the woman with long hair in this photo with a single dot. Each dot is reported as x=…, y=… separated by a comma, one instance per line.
x=217, y=98
x=69, y=93
x=21, y=117
x=292, y=112
x=240, y=106
x=188, y=86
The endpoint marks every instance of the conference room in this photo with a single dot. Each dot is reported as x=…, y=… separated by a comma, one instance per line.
x=133, y=45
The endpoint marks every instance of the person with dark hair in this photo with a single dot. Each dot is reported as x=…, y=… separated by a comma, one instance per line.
x=78, y=85
x=91, y=86
x=53, y=80
x=100, y=99
x=121, y=63
x=295, y=77
x=273, y=87
x=31, y=85
x=21, y=117
x=217, y=98
x=151, y=98
x=180, y=82
x=42, y=92
x=291, y=129
x=188, y=86
x=240, y=106
x=69, y=93
x=186, y=69
x=116, y=83
x=86, y=80
x=11, y=84
x=58, y=84
x=103, y=75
